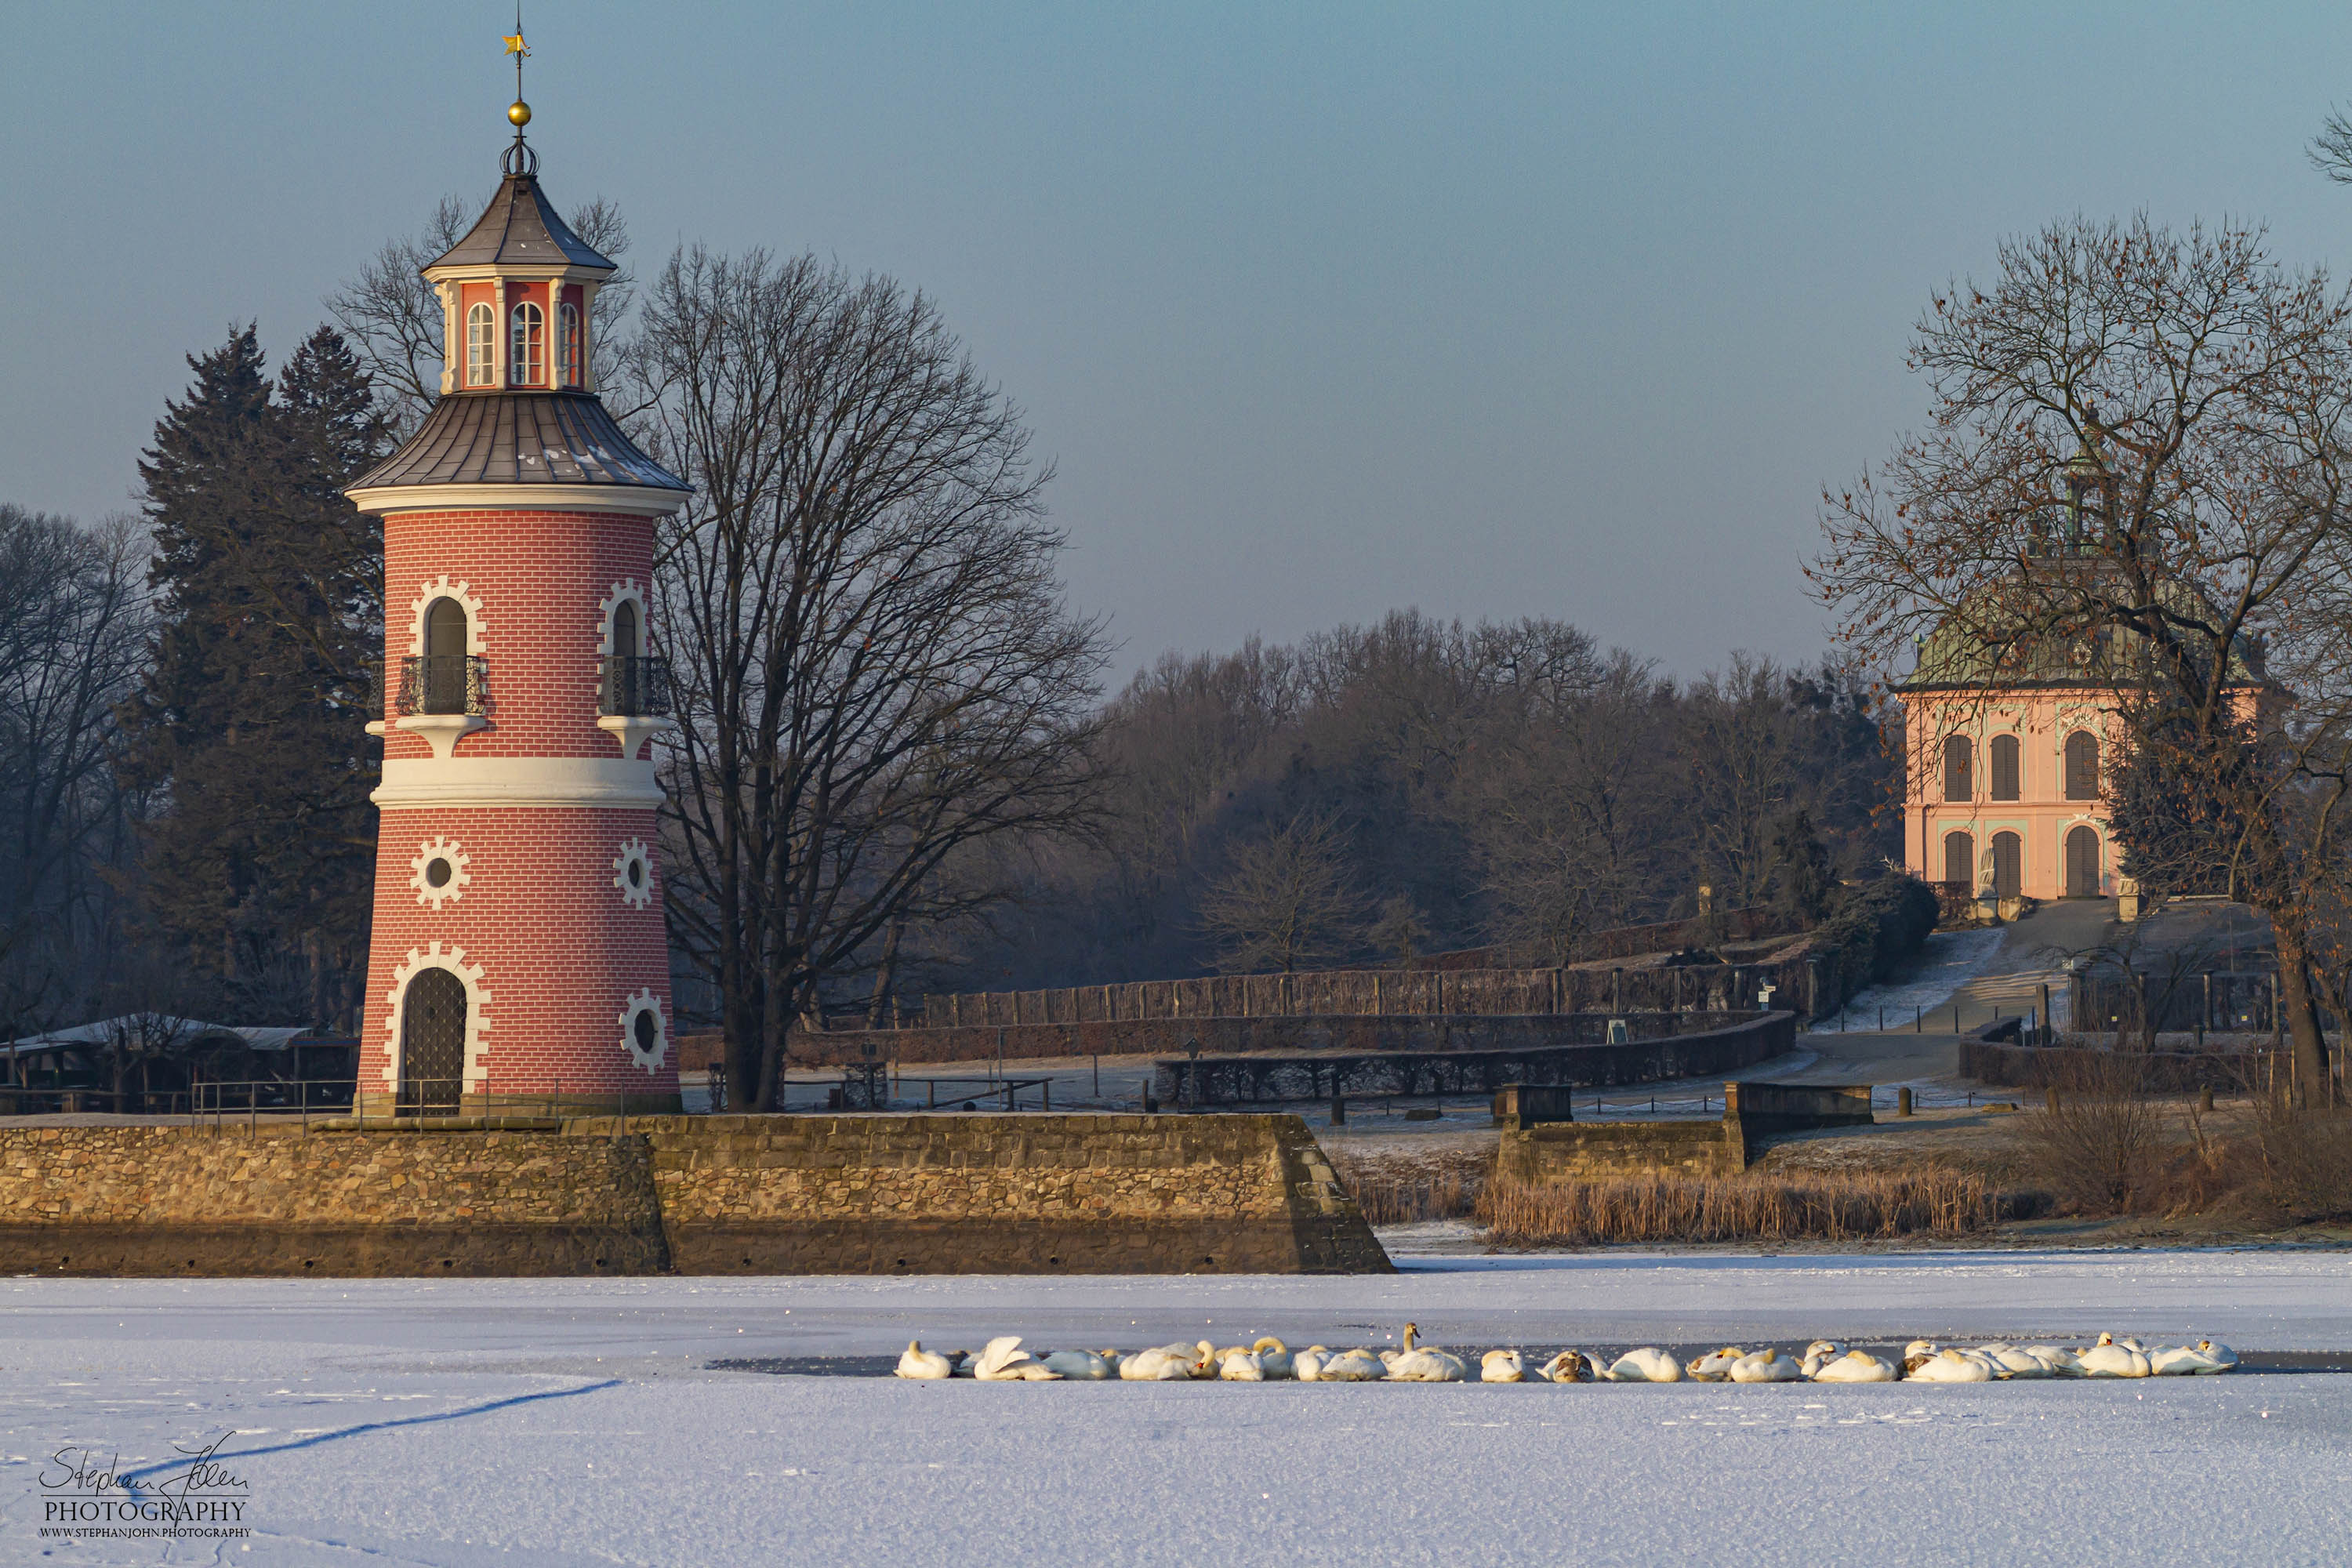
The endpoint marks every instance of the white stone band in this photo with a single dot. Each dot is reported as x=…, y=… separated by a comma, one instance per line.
x=609, y=781
x=638, y=501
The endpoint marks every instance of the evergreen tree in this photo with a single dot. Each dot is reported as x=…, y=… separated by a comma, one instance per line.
x=251, y=719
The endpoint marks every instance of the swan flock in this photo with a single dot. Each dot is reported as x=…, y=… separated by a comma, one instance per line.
x=1268, y=1360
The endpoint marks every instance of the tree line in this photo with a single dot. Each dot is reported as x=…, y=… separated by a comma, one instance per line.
x=895, y=763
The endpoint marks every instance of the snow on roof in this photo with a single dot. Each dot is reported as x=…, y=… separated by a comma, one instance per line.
x=154, y=1029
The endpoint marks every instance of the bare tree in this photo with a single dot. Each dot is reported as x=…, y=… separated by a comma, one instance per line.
x=1287, y=902
x=2133, y=476
x=393, y=319
x=876, y=673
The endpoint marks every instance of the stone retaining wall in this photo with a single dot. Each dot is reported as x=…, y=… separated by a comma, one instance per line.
x=1598, y=1151
x=686, y=1195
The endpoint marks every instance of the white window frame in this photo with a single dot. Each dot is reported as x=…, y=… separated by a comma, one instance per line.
x=482, y=343
x=568, y=346
x=527, y=356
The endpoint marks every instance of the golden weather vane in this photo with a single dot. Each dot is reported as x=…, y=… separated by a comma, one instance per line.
x=519, y=112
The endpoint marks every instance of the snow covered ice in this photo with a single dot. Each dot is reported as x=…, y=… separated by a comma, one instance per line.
x=535, y=1421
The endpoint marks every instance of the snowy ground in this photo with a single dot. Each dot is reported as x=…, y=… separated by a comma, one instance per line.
x=562, y=1421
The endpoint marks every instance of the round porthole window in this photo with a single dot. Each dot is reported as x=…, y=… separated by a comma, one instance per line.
x=440, y=873
x=632, y=874
x=645, y=1031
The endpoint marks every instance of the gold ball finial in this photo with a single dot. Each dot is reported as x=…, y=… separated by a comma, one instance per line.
x=519, y=113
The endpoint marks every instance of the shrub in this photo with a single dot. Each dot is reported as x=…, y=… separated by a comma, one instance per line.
x=2098, y=1146
x=2305, y=1158
x=1406, y=1190
x=1876, y=928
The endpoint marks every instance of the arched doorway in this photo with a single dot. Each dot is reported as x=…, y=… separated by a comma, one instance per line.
x=2008, y=866
x=2082, y=862
x=1960, y=859
x=432, y=1041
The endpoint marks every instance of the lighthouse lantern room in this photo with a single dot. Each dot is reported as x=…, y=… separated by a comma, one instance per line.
x=518, y=963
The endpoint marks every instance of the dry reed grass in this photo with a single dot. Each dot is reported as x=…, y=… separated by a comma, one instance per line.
x=1863, y=1208
x=1408, y=1189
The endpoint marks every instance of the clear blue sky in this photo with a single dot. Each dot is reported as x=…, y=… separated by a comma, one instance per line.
x=1320, y=310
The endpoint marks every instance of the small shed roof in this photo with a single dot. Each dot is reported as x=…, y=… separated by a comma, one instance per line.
x=155, y=1028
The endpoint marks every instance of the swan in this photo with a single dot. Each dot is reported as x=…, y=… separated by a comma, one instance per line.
x=2203, y=1359
x=1307, y=1365
x=1273, y=1357
x=1648, y=1364
x=2111, y=1359
x=1006, y=1362
x=1716, y=1365
x=1205, y=1360
x=1423, y=1364
x=1353, y=1366
x=1919, y=1354
x=1950, y=1366
x=1085, y=1366
x=1818, y=1354
x=1855, y=1366
x=1766, y=1366
x=1567, y=1366
x=1241, y=1366
x=2008, y=1362
x=1160, y=1363
x=920, y=1363
x=1502, y=1366
x=2062, y=1361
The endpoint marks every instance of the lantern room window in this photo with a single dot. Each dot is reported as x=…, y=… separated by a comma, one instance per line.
x=481, y=341
x=527, y=363
x=567, y=345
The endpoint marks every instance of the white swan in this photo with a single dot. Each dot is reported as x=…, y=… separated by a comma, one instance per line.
x=2062, y=1361
x=1082, y=1366
x=2011, y=1361
x=1307, y=1365
x=1819, y=1354
x=920, y=1363
x=1950, y=1366
x=1567, y=1366
x=2203, y=1359
x=1160, y=1363
x=1919, y=1354
x=1273, y=1357
x=1648, y=1364
x=2111, y=1358
x=1766, y=1366
x=1353, y=1366
x=1502, y=1366
x=2221, y=1356
x=1855, y=1366
x=1241, y=1366
x=1716, y=1365
x=1004, y=1361
x=1423, y=1364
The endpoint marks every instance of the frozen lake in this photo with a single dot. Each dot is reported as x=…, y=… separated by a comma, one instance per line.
x=534, y=1422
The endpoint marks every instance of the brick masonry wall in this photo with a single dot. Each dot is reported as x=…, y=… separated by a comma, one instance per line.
x=701, y=1194
x=1597, y=1151
x=544, y=932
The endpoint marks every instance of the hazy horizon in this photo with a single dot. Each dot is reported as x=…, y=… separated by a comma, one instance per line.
x=1493, y=312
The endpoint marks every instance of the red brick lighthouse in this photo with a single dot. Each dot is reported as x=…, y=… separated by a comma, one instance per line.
x=518, y=955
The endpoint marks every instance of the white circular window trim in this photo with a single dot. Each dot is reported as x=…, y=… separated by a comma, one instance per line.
x=638, y=891
x=648, y=1058
x=441, y=587
x=453, y=887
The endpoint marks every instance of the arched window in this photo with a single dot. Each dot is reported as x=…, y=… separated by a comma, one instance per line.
x=1960, y=859
x=1956, y=784
x=526, y=361
x=2082, y=862
x=481, y=340
x=2081, y=767
x=2008, y=866
x=2004, y=767
x=445, y=657
x=624, y=630
x=567, y=345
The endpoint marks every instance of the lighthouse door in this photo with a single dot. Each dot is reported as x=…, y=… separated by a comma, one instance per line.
x=432, y=1041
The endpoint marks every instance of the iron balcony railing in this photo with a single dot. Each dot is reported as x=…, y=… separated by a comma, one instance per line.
x=443, y=683
x=633, y=686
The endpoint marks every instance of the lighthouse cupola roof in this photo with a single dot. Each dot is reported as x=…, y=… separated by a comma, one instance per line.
x=521, y=230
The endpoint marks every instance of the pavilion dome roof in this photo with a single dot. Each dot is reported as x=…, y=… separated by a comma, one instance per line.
x=2026, y=630
x=521, y=227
